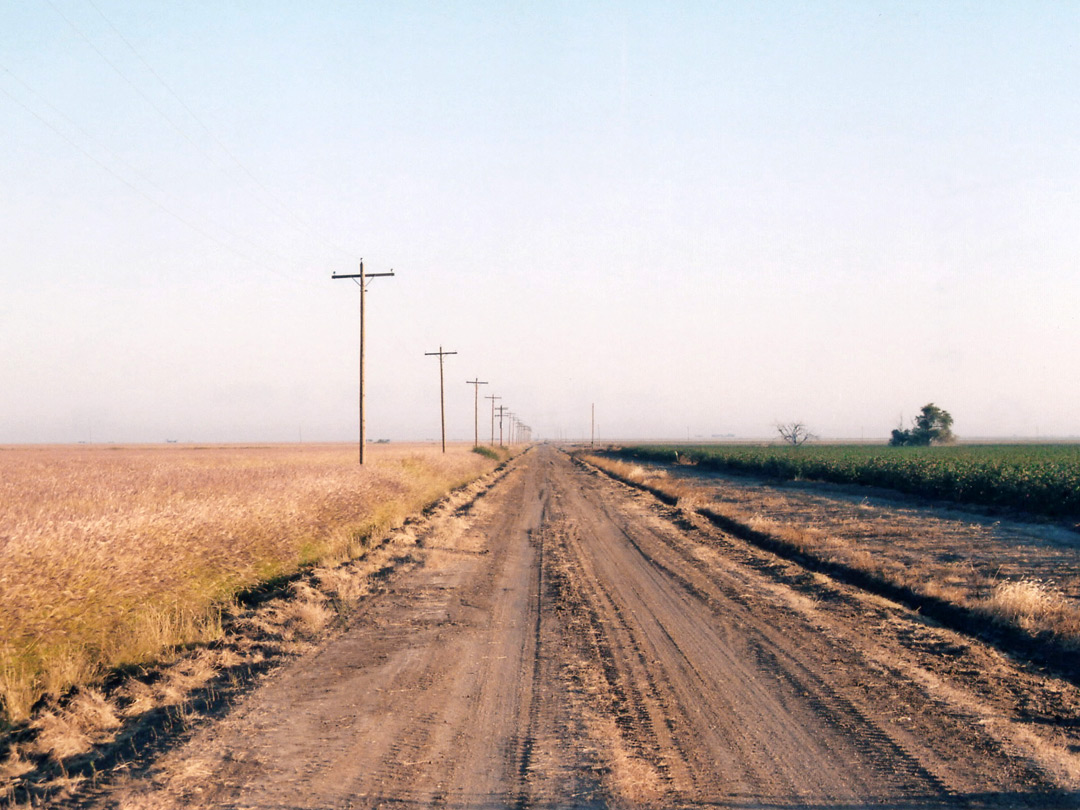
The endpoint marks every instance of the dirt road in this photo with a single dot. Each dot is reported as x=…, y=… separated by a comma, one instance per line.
x=565, y=641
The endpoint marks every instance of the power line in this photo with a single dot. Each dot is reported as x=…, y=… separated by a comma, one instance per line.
x=180, y=130
x=129, y=167
x=304, y=225
x=157, y=203
x=142, y=94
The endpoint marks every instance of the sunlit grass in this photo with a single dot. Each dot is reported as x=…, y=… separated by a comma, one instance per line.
x=108, y=556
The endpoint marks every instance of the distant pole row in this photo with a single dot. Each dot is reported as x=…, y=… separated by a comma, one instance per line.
x=361, y=280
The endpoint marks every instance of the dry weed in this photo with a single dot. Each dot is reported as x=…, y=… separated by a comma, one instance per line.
x=341, y=584
x=19, y=686
x=14, y=766
x=84, y=721
x=181, y=679
x=1036, y=606
x=306, y=613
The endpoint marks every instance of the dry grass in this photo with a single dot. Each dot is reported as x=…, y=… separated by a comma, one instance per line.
x=859, y=537
x=108, y=556
x=1034, y=605
x=86, y=720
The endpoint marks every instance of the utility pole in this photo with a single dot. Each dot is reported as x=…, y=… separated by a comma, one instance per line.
x=442, y=397
x=361, y=279
x=501, y=409
x=476, y=409
x=492, y=398
x=510, y=416
x=592, y=427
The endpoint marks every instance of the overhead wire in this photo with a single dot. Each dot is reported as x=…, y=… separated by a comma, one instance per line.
x=167, y=208
x=300, y=221
x=157, y=203
x=212, y=160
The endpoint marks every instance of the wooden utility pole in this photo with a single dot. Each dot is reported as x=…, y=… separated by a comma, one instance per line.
x=361, y=279
x=492, y=398
x=476, y=409
x=592, y=427
x=442, y=395
x=501, y=409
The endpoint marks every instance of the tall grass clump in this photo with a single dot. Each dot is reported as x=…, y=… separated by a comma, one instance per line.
x=500, y=454
x=110, y=556
x=1035, y=606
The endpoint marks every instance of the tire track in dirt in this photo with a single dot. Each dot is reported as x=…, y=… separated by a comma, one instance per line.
x=706, y=755
x=717, y=637
x=767, y=652
x=916, y=664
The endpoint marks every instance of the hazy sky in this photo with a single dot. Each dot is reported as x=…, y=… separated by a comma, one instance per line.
x=704, y=217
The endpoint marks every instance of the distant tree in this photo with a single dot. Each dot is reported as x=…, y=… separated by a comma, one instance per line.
x=933, y=425
x=795, y=433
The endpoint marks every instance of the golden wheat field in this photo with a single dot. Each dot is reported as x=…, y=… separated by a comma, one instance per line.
x=109, y=555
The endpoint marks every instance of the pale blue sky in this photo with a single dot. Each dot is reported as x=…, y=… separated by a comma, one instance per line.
x=703, y=217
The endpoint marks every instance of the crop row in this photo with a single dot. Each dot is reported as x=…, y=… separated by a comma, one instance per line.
x=1039, y=479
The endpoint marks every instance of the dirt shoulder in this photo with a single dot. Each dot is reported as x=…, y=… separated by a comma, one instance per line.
x=1012, y=583
x=562, y=640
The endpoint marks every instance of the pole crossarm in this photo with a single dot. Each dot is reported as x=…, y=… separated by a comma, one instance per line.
x=362, y=276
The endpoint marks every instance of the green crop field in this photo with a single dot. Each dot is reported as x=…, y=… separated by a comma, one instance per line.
x=1039, y=479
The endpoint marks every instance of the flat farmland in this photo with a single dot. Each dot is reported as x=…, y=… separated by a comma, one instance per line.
x=111, y=554
x=1031, y=478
